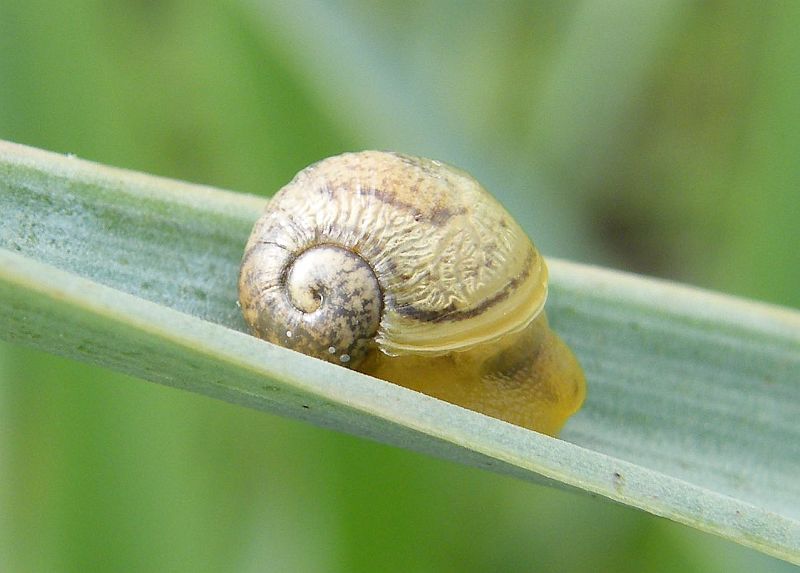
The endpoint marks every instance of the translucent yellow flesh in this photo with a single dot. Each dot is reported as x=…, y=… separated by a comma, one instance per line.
x=530, y=378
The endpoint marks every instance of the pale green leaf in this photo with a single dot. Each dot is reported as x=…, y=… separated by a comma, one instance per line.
x=694, y=398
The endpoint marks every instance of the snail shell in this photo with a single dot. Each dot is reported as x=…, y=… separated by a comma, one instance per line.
x=407, y=269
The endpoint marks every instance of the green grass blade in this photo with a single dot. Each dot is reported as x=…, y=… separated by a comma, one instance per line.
x=693, y=403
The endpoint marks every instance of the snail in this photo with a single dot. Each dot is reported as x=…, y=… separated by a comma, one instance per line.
x=406, y=269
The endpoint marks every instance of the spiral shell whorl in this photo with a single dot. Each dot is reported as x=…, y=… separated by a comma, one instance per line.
x=324, y=301
x=452, y=267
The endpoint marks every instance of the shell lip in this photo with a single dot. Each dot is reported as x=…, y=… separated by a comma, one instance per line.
x=511, y=317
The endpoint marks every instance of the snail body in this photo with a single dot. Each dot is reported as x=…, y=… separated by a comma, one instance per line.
x=407, y=269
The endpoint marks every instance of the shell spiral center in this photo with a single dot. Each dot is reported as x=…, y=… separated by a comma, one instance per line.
x=336, y=304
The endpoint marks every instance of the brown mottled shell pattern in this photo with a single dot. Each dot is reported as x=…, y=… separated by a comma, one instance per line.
x=370, y=256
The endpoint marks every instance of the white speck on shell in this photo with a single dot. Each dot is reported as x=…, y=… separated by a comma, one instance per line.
x=331, y=350
x=344, y=358
x=288, y=334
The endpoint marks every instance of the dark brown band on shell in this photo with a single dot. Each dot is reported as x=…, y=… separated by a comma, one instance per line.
x=450, y=314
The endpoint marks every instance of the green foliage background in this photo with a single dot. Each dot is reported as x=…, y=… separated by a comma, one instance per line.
x=658, y=137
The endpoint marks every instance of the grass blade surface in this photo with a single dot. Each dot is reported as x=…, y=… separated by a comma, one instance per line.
x=693, y=401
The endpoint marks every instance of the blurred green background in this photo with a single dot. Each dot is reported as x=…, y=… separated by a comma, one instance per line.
x=657, y=137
